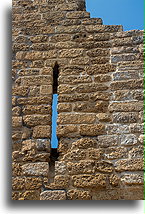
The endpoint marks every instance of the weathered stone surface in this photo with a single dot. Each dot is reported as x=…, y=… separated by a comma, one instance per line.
x=117, y=129
x=75, y=155
x=60, y=168
x=35, y=100
x=125, y=117
x=128, y=140
x=35, y=120
x=132, y=179
x=67, y=131
x=82, y=167
x=108, y=140
x=75, y=194
x=90, y=181
x=53, y=195
x=31, y=195
x=39, y=109
x=116, y=153
x=32, y=183
x=96, y=69
x=20, y=91
x=129, y=84
x=18, y=183
x=99, y=106
x=37, y=169
x=126, y=106
x=92, y=130
x=136, y=152
x=103, y=117
x=64, y=107
x=84, y=143
x=137, y=128
x=129, y=165
x=104, y=166
x=16, y=122
x=42, y=132
x=76, y=118
x=16, y=111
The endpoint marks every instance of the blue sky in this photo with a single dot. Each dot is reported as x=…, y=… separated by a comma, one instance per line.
x=128, y=13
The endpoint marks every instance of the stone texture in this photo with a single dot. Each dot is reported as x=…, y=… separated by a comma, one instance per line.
x=97, y=72
x=53, y=195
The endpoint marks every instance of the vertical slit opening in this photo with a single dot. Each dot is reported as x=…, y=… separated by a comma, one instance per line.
x=54, y=139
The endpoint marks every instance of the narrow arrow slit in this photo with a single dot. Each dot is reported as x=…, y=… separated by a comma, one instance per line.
x=54, y=139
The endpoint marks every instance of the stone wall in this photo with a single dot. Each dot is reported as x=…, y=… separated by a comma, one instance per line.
x=100, y=105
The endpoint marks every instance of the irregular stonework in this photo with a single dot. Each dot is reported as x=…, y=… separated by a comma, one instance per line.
x=100, y=104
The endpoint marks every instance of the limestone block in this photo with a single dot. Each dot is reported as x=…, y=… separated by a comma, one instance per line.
x=20, y=91
x=53, y=195
x=84, y=143
x=104, y=166
x=16, y=111
x=18, y=183
x=129, y=165
x=92, y=130
x=96, y=69
x=125, y=117
x=75, y=194
x=90, y=181
x=126, y=106
x=33, y=183
x=133, y=179
x=37, y=109
x=94, y=107
x=35, y=100
x=116, y=153
x=129, y=84
x=36, y=169
x=16, y=122
x=75, y=155
x=42, y=132
x=108, y=140
x=35, y=120
x=76, y=118
x=128, y=140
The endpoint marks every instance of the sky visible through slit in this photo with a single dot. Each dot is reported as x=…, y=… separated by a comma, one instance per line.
x=129, y=13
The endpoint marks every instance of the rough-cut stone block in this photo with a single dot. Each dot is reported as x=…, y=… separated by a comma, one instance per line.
x=108, y=140
x=132, y=193
x=67, y=131
x=37, y=169
x=128, y=84
x=130, y=165
x=18, y=183
x=104, y=166
x=35, y=120
x=35, y=100
x=94, y=154
x=64, y=107
x=133, y=179
x=20, y=91
x=36, y=80
x=94, y=107
x=116, y=153
x=16, y=111
x=76, y=118
x=75, y=194
x=136, y=152
x=60, y=168
x=92, y=130
x=70, y=53
x=117, y=129
x=89, y=181
x=73, y=97
x=75, y=79
x=137, y=128
x=75, y=155
x=96, y=69
x=125, y=117
x=16, y=122
x=42, y=132
x=128, y=140
x=82, y=167
x=77, y=15
x=84, y=143
x=39, y=109
x=33, y=183
x=53, y=195
x=31, y=195
x=126, y=106
x=103, y=117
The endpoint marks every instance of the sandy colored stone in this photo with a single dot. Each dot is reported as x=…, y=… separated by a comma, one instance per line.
x=92, y=130
x=67, y=131
x=42, y=132
x=89, y=181
x=75, y=194
x=33, y=183
x=35, y=120
x=16, y=122
x=53, y=195
x=16, y=111
x=129, y=165
x=76, y=118
x=37, y=169
x=18, y=183
x=30, y=195
x=37, y=109
x=64, y=107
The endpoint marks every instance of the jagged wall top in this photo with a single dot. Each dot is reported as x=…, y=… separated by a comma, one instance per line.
x=78, y=5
